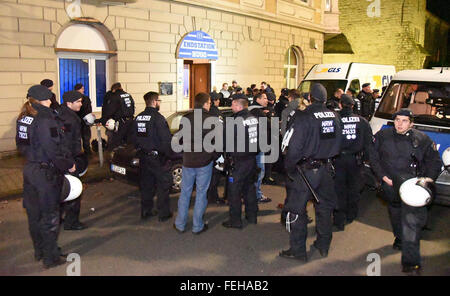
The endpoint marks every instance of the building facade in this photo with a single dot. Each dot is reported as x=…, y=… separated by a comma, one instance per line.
x=140, y=43
x=396, y=32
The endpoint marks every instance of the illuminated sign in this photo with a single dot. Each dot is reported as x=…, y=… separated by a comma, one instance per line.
x=197, y=45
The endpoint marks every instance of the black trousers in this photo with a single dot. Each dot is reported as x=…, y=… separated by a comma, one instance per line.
x=154, y=178
x=347, y=185
x=121, y=136
x=298, y=195
x=72, y=212
x=240, y=184
x=41, y=199
x=213, y=194
x=86, y=137
x=407, y=223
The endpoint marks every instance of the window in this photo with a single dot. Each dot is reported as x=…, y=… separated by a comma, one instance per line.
x=83, y=55
x=355, y=85
x=327, y=5
x=291, y=68
x=89, y=70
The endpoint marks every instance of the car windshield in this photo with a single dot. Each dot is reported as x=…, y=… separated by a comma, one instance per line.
x=330, y=85
x=429, y=101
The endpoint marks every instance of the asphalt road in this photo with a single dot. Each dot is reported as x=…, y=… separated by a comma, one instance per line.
x=117, y=242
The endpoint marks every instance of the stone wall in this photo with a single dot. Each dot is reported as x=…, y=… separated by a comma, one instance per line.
x=146, y=34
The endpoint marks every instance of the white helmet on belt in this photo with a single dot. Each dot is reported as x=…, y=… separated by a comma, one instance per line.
x=446, y=158
x=220, y=163
x=72, y=188
x=89, y=119
x=415, y=192
x=110, y=124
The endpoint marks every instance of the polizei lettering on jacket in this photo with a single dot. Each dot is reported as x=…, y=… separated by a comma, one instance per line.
x=324, y=115
x=350, y=119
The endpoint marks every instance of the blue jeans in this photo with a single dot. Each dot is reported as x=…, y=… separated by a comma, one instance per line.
x=201, y=177
x=260, y=164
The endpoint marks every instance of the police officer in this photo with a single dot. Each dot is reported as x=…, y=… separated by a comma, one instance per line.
x=403, y=153
x=38, y=138
x=312, y=140
x=71, y=126
x=85, y=109
x=357, y=139
x=49, y=84
x=357, y=106
x=151, y=136
x=367, y=101
x=242, y=165
x=121, y=109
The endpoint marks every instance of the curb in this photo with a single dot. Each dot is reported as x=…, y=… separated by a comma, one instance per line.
x=95, y=175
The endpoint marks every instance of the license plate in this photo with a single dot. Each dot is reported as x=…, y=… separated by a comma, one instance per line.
x=118, y=169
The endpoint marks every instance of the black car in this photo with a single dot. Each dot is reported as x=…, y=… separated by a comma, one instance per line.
x=125, y=164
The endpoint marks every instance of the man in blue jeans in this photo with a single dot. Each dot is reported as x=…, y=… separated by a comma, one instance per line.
x=197, y=166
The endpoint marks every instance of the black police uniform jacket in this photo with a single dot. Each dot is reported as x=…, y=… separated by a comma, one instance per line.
x=39, y=139
x=248, y=140
x=409, y=155
x=367, y=104
x=314, y=133
x=120, y=106
x=356, y=133
x=150, y=132
x=86, y=107
x=71, y=127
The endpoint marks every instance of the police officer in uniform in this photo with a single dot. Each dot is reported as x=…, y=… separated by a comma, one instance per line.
x=312, y=140
x=121, y=109
x=357, y=139
x=242, y=173
x=403, y=153
x=71, y=126
x=357, y=103
x=38, y=138
x=86, y=108
x=367, y=101
x=151, y=136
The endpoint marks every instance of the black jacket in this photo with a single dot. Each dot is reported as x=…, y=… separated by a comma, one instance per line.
x=150, y=132
x=39, y=139
x=397, y=154
x=120, y=106
x=248, y=145
x=193, y=159
x=315, y=133
x=71, y=126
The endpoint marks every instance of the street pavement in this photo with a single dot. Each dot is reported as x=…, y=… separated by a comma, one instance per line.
x=117, y=242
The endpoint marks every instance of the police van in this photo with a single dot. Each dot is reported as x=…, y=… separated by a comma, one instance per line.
x=347, y=75
x=427, y=94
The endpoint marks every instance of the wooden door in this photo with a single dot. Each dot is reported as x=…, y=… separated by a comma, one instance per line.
x=200, y=81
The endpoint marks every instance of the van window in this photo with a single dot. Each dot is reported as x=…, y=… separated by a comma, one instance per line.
x=429, y=101
x=330, y=85
x=355, y=85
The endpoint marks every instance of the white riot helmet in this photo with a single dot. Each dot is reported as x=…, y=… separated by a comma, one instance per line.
x=89, y=119
x=220, y=163
x=415, y=192
x=110, y=124
x=72, y=188
x=446, y=158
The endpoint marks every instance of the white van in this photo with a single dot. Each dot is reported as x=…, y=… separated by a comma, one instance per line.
x=427, y=94
x=347, y=75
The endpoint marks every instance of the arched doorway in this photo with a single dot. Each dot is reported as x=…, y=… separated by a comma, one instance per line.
x=196, y=55
x=84, y=54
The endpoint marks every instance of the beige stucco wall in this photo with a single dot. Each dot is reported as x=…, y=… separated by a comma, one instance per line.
x=146, y=34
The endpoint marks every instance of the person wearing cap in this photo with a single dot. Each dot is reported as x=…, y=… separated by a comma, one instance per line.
x=376, y=97
x=310, y=143
x=367, y=101
x=38, y=139
x=71, y=126
x=121, y=109
x=233, y=89
x=151, y=137
x=357, y=103
x=241, y=163
x=49, y=84
x=403, y=152
x=259, y=110
x=86, y=109
x=356, y=143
